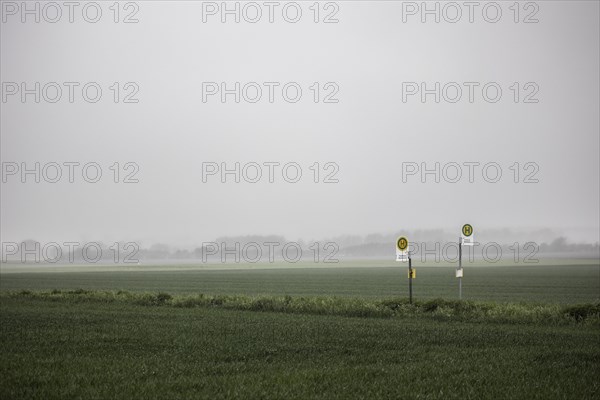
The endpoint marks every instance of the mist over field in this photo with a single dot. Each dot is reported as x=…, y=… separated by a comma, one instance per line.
x=378, y=146
x=433, y=246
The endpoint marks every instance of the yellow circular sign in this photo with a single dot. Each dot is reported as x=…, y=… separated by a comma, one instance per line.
x=402, y=243
x=467, y=230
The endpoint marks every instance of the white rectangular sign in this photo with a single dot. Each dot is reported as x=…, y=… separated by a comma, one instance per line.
x=468, y=241
x=401, y=256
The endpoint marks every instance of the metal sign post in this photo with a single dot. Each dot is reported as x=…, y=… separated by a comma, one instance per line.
x=403, y=255
x=467, y=240
x=410, y=278
x=459, y=271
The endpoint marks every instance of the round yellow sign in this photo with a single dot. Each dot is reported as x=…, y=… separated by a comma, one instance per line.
x=467, y=230
x=402, y=243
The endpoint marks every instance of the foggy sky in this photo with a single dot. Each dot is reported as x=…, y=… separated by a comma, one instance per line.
x=369, y=133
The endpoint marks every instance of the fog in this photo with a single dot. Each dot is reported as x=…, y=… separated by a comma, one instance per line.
x=520, y=167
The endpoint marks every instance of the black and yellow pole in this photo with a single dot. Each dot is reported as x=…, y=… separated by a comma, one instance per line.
x=410, y=278
x=460, y=268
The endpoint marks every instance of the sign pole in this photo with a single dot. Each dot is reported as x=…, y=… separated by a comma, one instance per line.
x=467, y=240
x=410, y=275
x=460, y=268
x=403, y=254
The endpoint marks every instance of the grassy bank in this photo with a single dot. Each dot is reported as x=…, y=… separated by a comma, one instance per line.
x=439, y=309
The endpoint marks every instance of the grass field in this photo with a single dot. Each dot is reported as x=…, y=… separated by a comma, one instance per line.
x=571, y=282
x=340, y=332
x=54, y=348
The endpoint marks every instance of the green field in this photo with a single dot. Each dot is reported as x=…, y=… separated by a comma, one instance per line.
x=574, y=282
x=339, y=332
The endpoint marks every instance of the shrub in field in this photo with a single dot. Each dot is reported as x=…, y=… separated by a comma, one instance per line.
x=162, y=298
x=262, y=304
x=190, y=301
x=583, y=311
x=148, y=299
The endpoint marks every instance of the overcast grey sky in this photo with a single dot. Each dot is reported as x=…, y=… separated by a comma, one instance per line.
x=369, y=133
